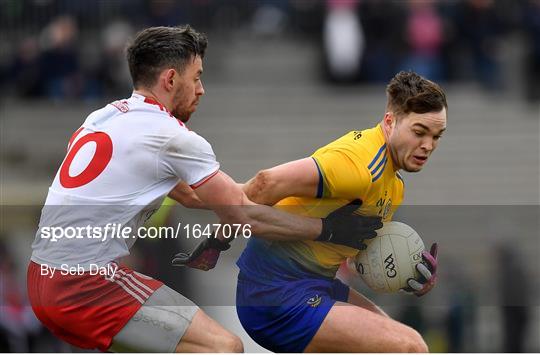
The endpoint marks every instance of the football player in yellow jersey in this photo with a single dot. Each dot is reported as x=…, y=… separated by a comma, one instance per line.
x=288, y=299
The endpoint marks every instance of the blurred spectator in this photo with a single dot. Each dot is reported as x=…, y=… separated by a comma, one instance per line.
x=343, y=40
x=383, y=23
x=481, y=28
x=165, y=13
x=270, y=17
x=113, y=70
x=532, y=57
x=25, y=71
x=363, y=39
x=513, y=283
x=59, y=61
x=460, y=318
x=307, y=17
x=17, y=321
x=424, y=35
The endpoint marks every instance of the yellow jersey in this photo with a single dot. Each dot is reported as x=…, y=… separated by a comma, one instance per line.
x=355, y=166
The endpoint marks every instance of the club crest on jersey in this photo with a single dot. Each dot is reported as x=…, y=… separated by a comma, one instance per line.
x=387, y=208
x=384, y=206
x=314, y=301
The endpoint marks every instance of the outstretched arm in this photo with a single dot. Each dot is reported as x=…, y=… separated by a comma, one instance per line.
x=221, y=194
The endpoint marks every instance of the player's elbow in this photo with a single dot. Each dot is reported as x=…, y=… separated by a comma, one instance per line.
x=193, y=203
x=260, y=187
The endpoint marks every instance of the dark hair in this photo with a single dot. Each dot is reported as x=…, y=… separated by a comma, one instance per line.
x=157, y=48
x=409, y=92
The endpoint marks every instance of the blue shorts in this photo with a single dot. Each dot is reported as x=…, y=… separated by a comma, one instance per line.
x=284, y=314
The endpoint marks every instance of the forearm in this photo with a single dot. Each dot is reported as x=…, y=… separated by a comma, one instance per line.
x=232, y=206
x=272, y=224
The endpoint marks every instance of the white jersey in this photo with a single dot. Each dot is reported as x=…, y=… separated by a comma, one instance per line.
x=119, y=167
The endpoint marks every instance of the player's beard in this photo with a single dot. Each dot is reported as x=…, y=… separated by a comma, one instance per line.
x=183, y=117
x=182, y=109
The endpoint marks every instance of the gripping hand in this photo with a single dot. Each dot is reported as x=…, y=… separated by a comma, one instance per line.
x=344, y=227
x=204, y=256
x=428, y=273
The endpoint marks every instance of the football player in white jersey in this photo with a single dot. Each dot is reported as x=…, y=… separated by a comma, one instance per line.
x=120, y=164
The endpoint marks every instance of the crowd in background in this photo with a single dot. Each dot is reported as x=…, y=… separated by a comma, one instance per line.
x=74, y=49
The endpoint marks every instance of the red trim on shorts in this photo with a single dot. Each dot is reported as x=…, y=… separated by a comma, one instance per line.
x=203, y=181
x=88, y=310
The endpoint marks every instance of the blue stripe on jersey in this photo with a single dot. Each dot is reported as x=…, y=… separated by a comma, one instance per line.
x=320, y=184
x=375, y=178
x=374, y=171
x=377, y=156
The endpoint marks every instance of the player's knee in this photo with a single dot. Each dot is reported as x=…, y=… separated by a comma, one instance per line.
x=236, y=345
x=230, y=344
x=226, y=342
x=416, y=343
x=419, y=346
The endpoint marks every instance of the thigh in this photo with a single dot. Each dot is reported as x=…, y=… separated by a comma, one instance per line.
x=357, y=299
x=284, y=316
x=158, y=325
x=349, y=328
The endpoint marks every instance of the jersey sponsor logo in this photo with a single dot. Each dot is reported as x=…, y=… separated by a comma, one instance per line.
x=314, y=301
x=357, y=135
x=390, y=266
x=149, y=319
x=121, y=105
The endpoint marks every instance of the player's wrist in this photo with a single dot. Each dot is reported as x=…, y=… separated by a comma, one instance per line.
x=326, y=231
x=221, y=244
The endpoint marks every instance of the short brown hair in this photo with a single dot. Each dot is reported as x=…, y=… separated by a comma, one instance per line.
x=409, y=92
x=157, y=48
